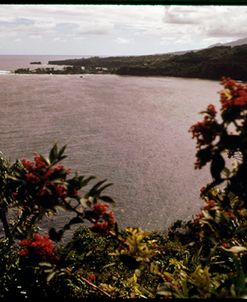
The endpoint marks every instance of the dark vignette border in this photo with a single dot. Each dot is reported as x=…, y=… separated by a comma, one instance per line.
x=129, y=2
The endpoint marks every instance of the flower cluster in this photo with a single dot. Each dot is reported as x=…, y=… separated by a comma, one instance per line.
x=91, y=277
x=104, y=219
x=233, y=95
x=214, y=137
x=211, y=110
x=44, y=184
x=40, y=247
x=210, y=204
x=40, y=169
x=205, y=132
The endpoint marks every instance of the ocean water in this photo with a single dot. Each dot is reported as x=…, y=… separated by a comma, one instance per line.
x=12, y=62
x=131, y=130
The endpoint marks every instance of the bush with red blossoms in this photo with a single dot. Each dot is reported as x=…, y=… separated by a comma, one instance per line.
x=37, y=188
x=222, y=141
x=219, y=139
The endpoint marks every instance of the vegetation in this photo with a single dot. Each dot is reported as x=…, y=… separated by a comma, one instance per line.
x=209, y=63
x=202, y=258
x=51, y=70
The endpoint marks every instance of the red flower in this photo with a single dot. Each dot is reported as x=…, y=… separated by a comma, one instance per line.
x=100, y=208
x=241, y=100
x=40, y=246
x=42, y=192
x=31, y=177
x=226, y=245
x=104, y=220
x=229, y=214
x=91, y=277
x=210, y=204
x=39, y=161
x=202, y=190
x=228, y=82
x=15, y=195
x=61, y=191
x=198, y=218
x=211, y=110
x=60, y=168
x=27, y=165
x=23, y=252
x=205, y=132
x=48, y=173
x=101, y=227
x=234, y=94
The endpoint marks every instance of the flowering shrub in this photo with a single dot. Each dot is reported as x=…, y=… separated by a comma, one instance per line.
x=39, y=187
x=228, y=135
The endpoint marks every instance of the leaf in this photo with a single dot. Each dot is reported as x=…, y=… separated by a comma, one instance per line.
x=75, y=220
x=45, y=264
x=231, y=114
x=50, y=276
x=97, y=194
x=236, y=249
x=83, y=202
x=43, y=159
x=217, y=166
x=86, y=181
x=241, y=229
x=231, y=142
x=61, y=151
x=107, y=199
x=54, y=235
x=204, y=155
x=53, y=154
x=94, y=189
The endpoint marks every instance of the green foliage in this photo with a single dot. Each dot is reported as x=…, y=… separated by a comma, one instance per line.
x=210, y=63
x=40, y=187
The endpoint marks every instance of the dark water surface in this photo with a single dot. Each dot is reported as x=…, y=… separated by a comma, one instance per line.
x=131, y=130
x=13, y=62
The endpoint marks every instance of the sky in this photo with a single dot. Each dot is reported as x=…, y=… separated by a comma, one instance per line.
x=117, y=29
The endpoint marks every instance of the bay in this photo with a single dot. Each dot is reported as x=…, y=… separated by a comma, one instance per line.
x=131, y=130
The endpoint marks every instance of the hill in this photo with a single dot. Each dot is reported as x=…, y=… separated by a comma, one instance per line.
x=232, y=43
x=209, y=63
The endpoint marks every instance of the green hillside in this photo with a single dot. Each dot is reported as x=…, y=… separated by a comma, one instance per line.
x=210, y=63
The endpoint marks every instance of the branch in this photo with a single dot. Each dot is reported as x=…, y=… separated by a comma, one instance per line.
x=91, y=284
x=5, y=224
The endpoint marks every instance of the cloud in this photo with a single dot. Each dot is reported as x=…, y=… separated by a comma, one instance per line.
x=205, y=23
x=172, y=16
x=155, y=29
x=227, y=32
x=230, y=26
x=120, y=40
x=16, y=23
x=95, y=28
x=191, y=15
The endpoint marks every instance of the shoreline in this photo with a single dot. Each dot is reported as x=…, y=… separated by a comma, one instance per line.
x=109, y=73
